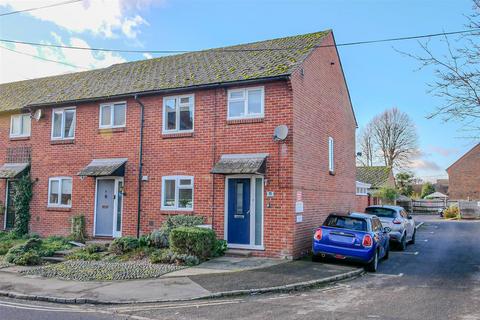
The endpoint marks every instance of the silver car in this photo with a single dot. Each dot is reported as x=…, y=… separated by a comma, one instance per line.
x=401, y=224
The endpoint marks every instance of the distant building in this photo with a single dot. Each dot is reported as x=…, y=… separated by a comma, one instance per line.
x=464, y=177
x=377, y=177
x=441, y=186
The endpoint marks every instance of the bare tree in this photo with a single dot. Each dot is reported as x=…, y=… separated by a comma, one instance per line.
x=366, y=146
x=458, y=75
x=396, y=137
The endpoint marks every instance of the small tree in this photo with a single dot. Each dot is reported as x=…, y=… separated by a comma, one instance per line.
x=427, y=189
x=387, y=194
x=22, y=194
x=404, y=183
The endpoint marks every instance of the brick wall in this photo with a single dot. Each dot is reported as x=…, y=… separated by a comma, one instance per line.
x=321, y=109
x=361, y=202
x=464, y=178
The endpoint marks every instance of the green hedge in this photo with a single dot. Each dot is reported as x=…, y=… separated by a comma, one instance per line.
x=199, y=242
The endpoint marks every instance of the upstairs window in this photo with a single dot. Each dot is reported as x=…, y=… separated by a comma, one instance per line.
x=331, y=158
x=246, y=103
x=60, y=192
x=177, y=193
x=178, y=114
x=20, y=126
x=113, y=115
x=63, y=124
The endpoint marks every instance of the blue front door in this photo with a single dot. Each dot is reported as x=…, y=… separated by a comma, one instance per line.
x=239, y=211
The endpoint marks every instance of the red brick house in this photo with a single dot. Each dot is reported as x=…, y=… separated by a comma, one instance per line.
x=130, y=144
x=377, y=177
x=463, y=176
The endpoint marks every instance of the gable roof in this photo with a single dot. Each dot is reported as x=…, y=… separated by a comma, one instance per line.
x=465, y=155
x=195, y=69
x=377, y=176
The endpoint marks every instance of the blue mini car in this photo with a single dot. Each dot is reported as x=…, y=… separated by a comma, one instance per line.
x=356, y=237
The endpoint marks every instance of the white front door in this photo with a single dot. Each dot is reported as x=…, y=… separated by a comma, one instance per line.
x=108, y=207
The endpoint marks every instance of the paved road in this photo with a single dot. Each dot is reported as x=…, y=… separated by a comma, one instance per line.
x=437, y=278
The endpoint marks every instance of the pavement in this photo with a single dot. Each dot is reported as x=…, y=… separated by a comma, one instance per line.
x=219, y=277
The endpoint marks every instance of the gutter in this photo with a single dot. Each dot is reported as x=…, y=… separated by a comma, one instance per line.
x=155, y=92
x=140, y=163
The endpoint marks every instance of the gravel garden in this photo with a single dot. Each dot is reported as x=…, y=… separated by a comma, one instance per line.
x=178, y=244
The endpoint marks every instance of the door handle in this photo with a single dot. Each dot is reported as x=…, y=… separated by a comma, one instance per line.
x=248, y=212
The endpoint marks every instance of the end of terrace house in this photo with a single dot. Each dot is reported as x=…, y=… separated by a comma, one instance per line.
x=133, y=143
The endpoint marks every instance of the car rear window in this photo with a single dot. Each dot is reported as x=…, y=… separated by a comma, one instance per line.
x=346, y=223
x=381, y=212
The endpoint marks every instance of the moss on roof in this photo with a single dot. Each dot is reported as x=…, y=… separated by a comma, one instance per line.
x=377, y=176
x=227, y=64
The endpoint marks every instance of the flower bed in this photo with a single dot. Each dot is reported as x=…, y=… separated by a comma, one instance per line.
x=102, y=270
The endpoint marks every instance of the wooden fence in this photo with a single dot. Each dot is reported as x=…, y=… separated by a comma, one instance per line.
x=426, y=206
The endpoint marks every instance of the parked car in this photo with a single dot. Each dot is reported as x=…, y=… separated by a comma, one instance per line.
x=356, y=237
x=401, y=224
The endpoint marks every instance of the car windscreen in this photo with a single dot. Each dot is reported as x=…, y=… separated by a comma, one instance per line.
x=381, y=212
x=346, y=223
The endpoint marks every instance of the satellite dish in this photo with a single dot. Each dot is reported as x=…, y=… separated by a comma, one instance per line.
x=280, y=133
x=38, y=114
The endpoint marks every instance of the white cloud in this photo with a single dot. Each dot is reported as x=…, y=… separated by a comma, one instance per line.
x=16, y=66
x=425, y=165
x=100, y=17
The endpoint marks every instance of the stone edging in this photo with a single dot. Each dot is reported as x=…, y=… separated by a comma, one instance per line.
x=284, y=288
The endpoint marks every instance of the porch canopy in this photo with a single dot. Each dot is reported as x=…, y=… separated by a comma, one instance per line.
x=12, y=170
x=254, y=163
x=104, y=167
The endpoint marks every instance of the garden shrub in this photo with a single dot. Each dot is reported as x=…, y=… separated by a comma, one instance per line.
x=84, y=254
x=219, y=248
x=29, y=258
x=168, y=257
x=176, y=221
x=123, y=245
x=194, y=241
x=51, y=244
x=78, y=231
x=451, y=212
x=158, y=239
x=25, y=254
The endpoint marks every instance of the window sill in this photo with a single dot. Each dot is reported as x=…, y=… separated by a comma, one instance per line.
x=174, y=212
x=112, y=130
x=246, y=120
x=69, y=141
x=59, y=209
x=177, y=135
x=19, y=138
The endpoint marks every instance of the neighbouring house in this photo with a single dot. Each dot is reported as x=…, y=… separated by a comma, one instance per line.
x=377, y=177
x=362, y=196
x=441, y=186
x=133, y=143
x=464, y=177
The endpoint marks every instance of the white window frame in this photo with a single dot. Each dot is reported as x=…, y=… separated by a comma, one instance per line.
x=60, y=182
x=22, y=134
x=112, y=115
x=177, y=115
x=331, y=155
x=246, y=115
x=177, y=188
x=62, y=137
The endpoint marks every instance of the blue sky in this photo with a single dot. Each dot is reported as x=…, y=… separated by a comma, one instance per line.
x=377, y=75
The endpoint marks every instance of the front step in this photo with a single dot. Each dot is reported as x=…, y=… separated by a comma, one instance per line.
x=239, y=253
x=53, y=259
